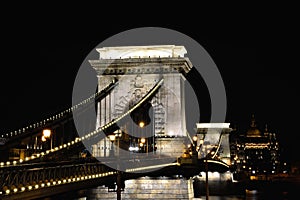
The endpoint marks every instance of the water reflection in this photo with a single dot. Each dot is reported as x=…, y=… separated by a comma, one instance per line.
x=97, y=193
x=228, y=191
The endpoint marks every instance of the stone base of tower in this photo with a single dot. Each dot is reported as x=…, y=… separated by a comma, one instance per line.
x=150, y=188
x=171, y=147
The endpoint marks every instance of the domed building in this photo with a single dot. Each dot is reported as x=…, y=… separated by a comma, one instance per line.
x=253, y=131
x=256, y=151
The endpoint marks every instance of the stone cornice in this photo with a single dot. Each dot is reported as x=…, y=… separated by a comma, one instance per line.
x=141, y=65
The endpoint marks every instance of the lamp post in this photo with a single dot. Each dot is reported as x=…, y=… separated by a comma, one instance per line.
x=116, y=135
x=206, y=178
x=47, y=134
x=201, y=141
x=112, y=139
x=142, y=143
x=195, y=139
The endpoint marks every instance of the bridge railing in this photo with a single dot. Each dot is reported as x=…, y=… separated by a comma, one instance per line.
x=13, y=181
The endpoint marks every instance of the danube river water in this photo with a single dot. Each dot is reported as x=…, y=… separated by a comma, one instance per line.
x=280, y=190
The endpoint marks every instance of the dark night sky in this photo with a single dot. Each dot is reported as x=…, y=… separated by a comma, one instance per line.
x=42, y=51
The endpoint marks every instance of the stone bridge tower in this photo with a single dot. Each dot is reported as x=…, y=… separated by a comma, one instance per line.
x=138, y=69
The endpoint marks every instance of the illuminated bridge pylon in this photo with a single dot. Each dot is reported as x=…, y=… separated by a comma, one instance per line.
x=138, y=68
x=213, y=141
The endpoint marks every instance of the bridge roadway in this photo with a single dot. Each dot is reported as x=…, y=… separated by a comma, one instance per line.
x=38, y=180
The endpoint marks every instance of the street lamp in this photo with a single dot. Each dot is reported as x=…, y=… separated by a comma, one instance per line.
x=195, y=138
x=142, y=144
x=47, y=134
x=115, y=136
x=112, y=139
x=43, y=138
x=142, y=124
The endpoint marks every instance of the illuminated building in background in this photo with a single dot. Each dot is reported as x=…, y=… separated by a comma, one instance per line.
x=255, y=152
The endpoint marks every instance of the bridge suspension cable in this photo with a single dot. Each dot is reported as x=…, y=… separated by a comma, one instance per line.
x=218, y=146
x=61, y=114
x=92, y=133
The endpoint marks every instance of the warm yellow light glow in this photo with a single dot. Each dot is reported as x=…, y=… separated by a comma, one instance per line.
x=195, y=138
x=112, y=137
x=213, y=125
x=141, y=124
x=143, y=140
x=141, y=144
x=215, y=161
x=152, y=167
x=201, y=141
x=43, y=139
x=46, y=133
